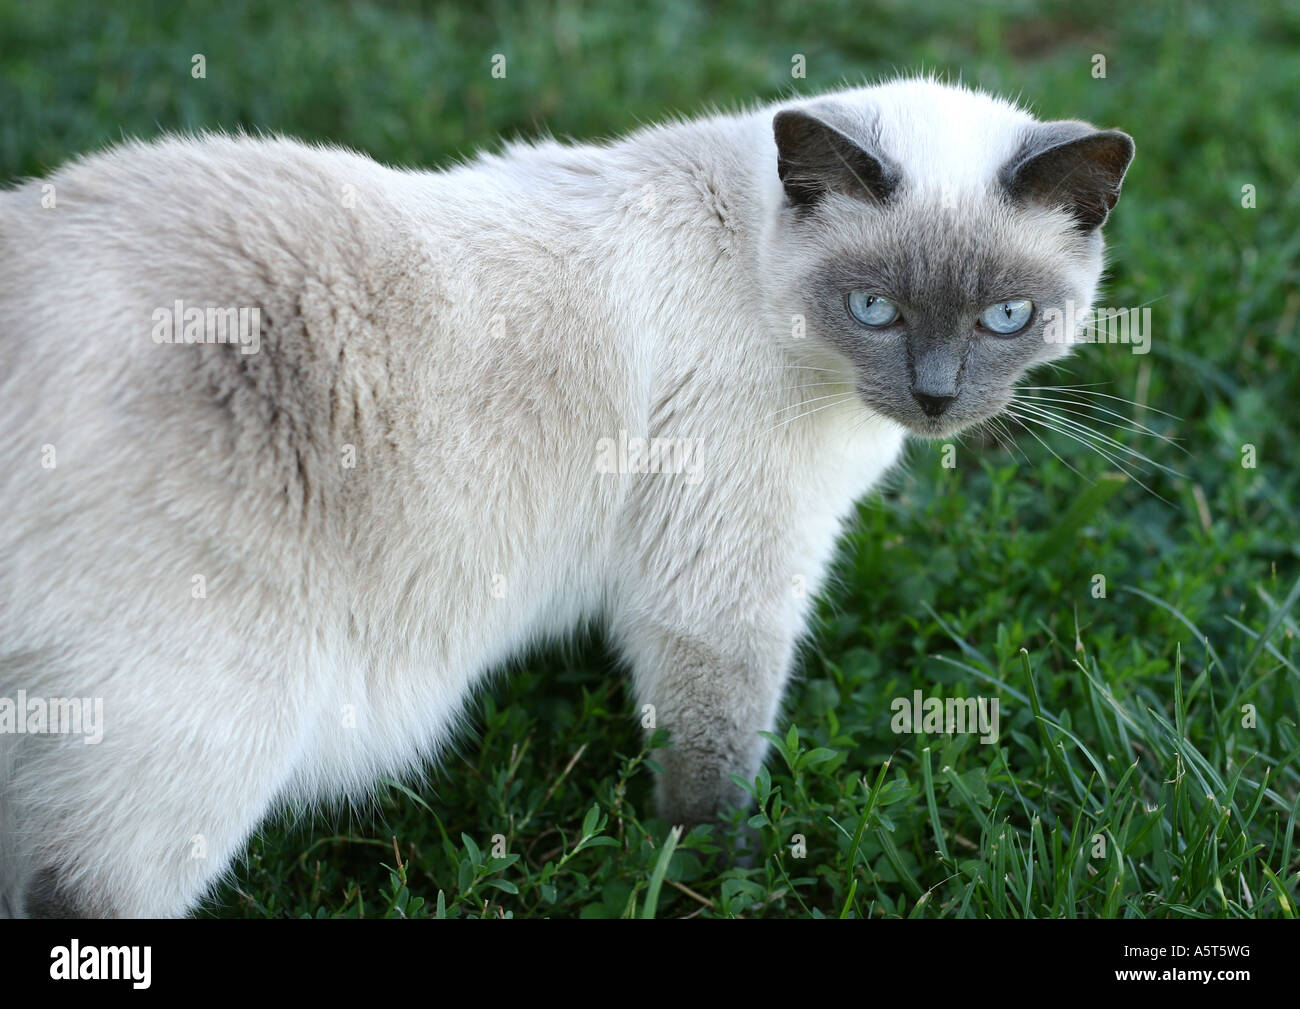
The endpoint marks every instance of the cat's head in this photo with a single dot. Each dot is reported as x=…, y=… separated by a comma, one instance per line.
x=923, y=234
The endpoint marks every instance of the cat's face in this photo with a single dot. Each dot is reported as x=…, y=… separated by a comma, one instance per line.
x=931, y=278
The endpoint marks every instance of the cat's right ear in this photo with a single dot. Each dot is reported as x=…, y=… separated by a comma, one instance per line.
x=813, y=158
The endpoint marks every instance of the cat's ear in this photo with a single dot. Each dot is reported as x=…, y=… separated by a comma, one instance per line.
x=1071, y=164
x=814, y=158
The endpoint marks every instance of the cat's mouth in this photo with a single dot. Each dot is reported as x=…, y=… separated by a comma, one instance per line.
x=937, y=428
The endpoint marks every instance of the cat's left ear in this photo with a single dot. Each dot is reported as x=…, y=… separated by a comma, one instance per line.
x=1071, y=164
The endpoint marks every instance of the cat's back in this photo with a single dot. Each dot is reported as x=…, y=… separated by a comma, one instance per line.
x=120, y=270
x=348, y=262
x=370, y=368
x=224, y=218
x=223, y=184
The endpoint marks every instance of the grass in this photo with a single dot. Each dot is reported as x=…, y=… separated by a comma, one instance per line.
x=1147, y=758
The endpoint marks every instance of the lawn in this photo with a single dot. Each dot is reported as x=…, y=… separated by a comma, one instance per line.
x=1132, y=608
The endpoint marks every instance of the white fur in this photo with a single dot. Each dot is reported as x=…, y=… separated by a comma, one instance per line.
x=627, y=278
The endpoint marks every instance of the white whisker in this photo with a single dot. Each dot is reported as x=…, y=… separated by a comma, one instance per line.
x=1082, y=429
x=1084, y=391
x=1089, y=411
x=846, y=398
x=805, y=402
x=1016, y=417
x=1114, y=461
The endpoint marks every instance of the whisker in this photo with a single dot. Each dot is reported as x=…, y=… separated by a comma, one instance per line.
x=1083, y=391
x=1082, y=411
x=805, y=402
x=845, y=399
x=811, y=385
x=1117, y=463
x=1064, y=422
x=1011, y=437
x=988, y=428
x=1016, y=417
x=1062, y=388
x=1107, y=439
x=1095, y=448
x=999, y=425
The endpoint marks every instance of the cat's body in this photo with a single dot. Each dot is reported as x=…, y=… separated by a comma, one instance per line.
x=284, y=571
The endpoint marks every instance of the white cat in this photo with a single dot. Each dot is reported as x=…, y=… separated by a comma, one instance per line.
x=641, y=382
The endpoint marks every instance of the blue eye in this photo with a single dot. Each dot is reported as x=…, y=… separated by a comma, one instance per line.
x=1007, y=317
x=872, y=309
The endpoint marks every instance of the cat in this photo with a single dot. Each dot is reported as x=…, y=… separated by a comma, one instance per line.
x=298, y=447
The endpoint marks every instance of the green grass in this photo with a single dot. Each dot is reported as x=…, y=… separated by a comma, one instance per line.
x=1122, y=717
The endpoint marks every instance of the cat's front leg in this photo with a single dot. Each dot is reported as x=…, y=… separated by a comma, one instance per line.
x=714, y=694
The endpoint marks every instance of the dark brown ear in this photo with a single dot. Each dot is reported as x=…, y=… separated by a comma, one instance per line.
x=814, y=158
x=1072, y=165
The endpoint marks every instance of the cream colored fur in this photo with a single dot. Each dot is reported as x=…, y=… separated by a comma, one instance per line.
x=467, y=337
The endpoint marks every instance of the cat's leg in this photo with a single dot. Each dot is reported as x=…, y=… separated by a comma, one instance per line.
x=141, y=823
x=703, y=610
x=714, y=693
x=710, y=588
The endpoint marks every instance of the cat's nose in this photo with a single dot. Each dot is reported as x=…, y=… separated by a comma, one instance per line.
x=932, y=405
